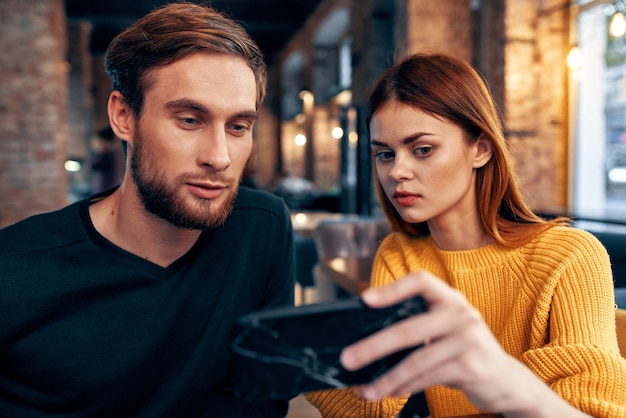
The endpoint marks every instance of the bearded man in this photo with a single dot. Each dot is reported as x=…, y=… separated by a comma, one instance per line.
x=122, y=305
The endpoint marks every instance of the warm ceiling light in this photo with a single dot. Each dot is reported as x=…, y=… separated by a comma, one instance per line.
x=344, y=98
x=307, y=97
x=575, y=58
x=617, y=26
x=300, y=140
x=337, y=132
x=73, y=166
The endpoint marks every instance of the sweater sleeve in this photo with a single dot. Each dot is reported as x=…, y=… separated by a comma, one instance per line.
x=344, y=403
x=581, y=361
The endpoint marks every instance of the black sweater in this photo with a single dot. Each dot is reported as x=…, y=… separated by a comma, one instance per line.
x=90, y=330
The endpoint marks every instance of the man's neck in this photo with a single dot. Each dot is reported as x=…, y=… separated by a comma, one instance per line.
x=122, y=219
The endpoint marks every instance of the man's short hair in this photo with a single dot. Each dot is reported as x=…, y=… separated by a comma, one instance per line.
x=171, y=33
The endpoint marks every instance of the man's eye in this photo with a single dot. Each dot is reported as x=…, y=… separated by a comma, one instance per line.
x=240, y=128
x=189, y=121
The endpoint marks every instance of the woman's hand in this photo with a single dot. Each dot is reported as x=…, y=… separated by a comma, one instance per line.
x=458, y=351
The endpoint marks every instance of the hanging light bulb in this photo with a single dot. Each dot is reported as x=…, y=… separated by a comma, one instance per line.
x=575, y=58
x=300, y=140
x=617, y=25
x=337, y=132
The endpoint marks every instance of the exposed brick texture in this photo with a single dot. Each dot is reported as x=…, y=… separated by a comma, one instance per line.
x=535, y=99
x=519, y=47
x=443, y=25
x=53, y=97
x=33, y=103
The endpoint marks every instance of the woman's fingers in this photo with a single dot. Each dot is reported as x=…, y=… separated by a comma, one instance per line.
x=418, y=283
x=454, y=356
x=462, y=359
x=415, y=373
x=404, y=334
x=410, y=332
x=459, y=349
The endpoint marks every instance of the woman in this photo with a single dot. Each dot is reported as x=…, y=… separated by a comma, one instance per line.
x=521, y=319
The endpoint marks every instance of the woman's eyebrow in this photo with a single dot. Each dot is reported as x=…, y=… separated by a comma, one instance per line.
x=405, y=141
x=377, y=143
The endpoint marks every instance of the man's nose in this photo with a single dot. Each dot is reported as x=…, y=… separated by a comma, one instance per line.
x=213, y=150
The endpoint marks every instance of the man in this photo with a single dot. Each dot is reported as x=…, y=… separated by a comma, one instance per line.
x=122, y=305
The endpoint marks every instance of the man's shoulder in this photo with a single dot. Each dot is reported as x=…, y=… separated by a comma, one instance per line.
x=41, y=231
x=260, y=200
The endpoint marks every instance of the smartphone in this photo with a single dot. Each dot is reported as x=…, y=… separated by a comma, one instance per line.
x=283, y=352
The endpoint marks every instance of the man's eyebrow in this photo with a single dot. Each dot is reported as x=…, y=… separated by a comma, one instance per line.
x=249, y=114
x=193, y=105
x=186, y=104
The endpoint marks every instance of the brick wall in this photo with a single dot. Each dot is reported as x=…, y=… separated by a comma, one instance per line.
x=521, y=51
x=33, y=103
x=535, y=98
x=443, y=25
x=529, y=84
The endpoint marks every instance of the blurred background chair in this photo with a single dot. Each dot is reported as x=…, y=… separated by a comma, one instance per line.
x=351, y=243
x=304, y=223
x=306, y=259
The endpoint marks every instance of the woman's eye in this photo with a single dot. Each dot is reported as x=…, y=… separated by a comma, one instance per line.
x=383, y=155
x=423, y=151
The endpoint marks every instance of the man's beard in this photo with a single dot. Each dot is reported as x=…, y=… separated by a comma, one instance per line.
x=160, y=197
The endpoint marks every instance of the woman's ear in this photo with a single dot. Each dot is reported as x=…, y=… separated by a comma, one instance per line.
x=484, y=151
x=121, y=117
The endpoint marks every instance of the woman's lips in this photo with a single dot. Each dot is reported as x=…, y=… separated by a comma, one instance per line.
x=405, y=199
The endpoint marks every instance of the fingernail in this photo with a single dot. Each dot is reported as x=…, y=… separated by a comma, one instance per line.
x=369, y=393
x=370, y=295
x=346, y=359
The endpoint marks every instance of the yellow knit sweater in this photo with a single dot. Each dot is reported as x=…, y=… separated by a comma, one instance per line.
x=549, y=303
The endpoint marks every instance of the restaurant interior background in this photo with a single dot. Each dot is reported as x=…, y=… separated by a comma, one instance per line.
x=565, y=123
x=555, y=67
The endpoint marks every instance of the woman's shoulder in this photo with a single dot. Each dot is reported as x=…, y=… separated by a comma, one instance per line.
x=567, y=235
x=567, y=241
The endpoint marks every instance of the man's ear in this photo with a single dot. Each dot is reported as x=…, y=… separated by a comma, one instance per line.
x=484, y=151
x=121, y=117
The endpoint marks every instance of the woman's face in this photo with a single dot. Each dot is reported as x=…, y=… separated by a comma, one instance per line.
x=426, y=165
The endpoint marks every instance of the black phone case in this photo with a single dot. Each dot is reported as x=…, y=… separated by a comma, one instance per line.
x=280, y=353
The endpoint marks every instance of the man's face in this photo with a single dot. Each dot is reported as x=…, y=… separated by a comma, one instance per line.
x=193, y=138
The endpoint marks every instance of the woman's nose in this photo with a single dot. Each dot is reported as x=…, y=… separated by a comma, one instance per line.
x=401, y=168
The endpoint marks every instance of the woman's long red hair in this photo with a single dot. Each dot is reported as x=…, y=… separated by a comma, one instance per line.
x=447, y=87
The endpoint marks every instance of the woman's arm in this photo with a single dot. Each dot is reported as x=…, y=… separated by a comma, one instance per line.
x=459, y=351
